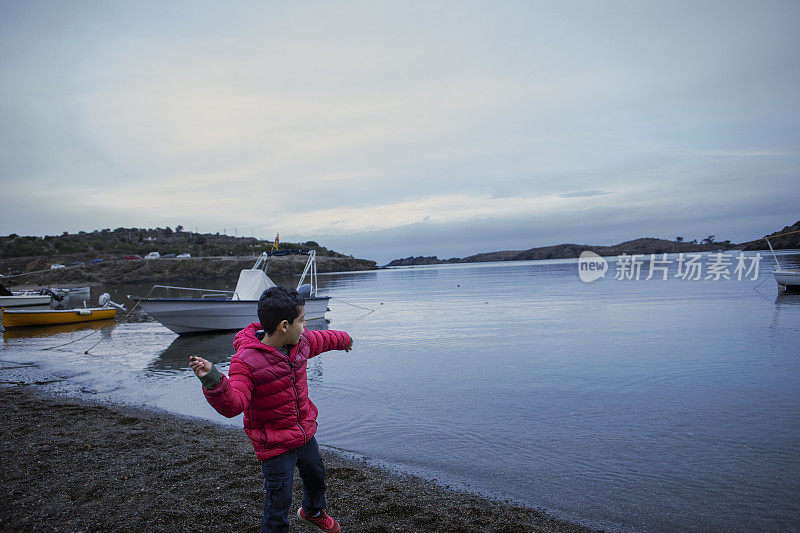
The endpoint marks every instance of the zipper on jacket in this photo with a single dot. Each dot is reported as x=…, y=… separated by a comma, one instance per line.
x=296, y=398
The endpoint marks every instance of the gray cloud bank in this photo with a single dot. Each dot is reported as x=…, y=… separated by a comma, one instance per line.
x=398, y=129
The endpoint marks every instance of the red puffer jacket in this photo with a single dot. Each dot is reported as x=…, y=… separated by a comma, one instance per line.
x=271, y=389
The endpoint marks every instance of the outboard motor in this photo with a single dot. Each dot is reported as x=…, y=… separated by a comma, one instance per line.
x=105, y=301
x=56, y=296
x=306, y=290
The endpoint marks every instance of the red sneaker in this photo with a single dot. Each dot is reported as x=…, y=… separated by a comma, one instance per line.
x=324, y=522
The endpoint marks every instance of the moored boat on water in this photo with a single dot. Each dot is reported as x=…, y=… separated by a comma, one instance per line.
x=215, y=310
x=45, y=296
x=35, y=317
x=12, y=318
x=24, y=300
x=788, y=279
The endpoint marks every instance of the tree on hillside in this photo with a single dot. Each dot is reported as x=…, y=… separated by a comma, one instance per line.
x=709, y=239
x=678, y=239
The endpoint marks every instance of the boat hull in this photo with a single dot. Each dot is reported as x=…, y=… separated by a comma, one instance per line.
x=185, y=316
x=31, y=317
x=789, y=279
x=24, y=300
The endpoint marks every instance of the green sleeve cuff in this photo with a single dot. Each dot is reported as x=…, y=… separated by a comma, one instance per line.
x=211, y=379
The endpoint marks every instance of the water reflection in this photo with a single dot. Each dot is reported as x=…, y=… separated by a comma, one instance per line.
x=787, y=299
x=55, y=329
x=217, y=348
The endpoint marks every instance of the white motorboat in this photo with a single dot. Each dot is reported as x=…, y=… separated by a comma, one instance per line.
x=214, y=310
x=788, y=279
x=24, y=299
x=43, y=296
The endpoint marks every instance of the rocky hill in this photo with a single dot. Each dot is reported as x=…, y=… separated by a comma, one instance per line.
x=565, y=251
x=109, y=257
x=787, y=238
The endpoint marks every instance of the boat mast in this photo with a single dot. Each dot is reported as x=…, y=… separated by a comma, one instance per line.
x=773, y=253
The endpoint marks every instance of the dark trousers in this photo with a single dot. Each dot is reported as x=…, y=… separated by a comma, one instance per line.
x=278, y=479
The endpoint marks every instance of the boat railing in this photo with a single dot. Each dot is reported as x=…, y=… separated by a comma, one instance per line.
x=261, y=258
x=309, y=270
x=206, y=294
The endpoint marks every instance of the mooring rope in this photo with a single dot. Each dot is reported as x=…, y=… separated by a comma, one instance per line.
x=762, y=281
x=354, y=305
x=112, y=323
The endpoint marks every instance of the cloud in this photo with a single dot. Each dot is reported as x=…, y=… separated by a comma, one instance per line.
x=324, y=119
x=581, y=194
x=595, y=226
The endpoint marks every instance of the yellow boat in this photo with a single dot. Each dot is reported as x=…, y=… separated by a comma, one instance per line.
x=34, y=317
x=33, y=332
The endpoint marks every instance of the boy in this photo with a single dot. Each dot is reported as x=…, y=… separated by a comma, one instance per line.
x=267, y=382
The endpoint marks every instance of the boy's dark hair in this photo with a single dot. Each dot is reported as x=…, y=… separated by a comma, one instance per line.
x=276, y=305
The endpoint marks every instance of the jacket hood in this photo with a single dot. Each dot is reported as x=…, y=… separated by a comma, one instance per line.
x=246, y=338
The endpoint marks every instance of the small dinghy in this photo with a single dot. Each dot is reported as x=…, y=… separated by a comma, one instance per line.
x=788, y=279
x=13, y=318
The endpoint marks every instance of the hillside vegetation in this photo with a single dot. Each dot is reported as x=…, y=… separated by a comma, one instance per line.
x=140, y=241
x=102, y=256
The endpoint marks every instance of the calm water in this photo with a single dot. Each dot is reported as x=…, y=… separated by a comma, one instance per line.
x=638, y=405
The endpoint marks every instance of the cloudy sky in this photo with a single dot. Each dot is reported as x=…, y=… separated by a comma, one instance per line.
x=389, y=129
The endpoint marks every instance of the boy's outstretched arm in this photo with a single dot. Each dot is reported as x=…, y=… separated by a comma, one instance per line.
x=328, y=339
x=229, y=396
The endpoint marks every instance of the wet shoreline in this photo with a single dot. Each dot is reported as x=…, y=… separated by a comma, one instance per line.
x=76, y=465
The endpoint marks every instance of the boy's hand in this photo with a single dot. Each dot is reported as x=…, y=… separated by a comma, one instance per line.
x=349, y=347
x=200, y=366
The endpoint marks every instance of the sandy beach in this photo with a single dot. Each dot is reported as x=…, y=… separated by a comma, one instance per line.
x=74, y=465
